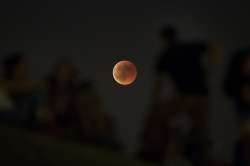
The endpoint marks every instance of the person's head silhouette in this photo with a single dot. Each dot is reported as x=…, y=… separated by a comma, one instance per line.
x=169, y=35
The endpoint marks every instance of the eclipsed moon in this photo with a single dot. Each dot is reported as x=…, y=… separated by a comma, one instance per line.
x=124, y=72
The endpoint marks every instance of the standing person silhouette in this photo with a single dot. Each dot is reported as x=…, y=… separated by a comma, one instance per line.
x=237, y=87
x=184, y=112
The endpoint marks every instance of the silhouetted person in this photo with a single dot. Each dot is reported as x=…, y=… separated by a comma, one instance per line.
x=237, y=82
x=21, y=92
x=181, y=63
x=58, y=115
x=237, y=87
x=97, y=126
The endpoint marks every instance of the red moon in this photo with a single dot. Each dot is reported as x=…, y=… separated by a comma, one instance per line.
x=124, y=72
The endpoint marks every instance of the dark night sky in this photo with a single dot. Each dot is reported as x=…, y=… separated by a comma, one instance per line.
x=98, y=33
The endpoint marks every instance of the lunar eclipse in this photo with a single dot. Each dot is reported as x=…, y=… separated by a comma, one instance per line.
x=124, y=72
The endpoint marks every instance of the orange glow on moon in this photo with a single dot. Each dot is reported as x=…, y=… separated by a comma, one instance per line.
x=124, y=72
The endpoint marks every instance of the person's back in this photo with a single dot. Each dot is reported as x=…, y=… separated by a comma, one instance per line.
x=183, y=63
